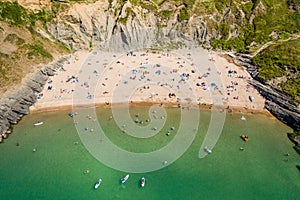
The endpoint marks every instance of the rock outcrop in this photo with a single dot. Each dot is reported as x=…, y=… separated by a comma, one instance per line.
x=15, y=105
x=276, y=102
x=102, y=25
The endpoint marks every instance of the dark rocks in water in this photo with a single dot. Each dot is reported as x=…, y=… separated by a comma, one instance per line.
x=296, y=140
x=278, y=104
x=15, y=105
x=13, y=118
x=298, y=167
x=21, y=109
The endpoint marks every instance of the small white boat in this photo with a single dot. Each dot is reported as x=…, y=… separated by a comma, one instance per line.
x=243, y=118
x=143, y=180
x=123, y=180
x=98, y=183
x=38, y=123
x=208, y=150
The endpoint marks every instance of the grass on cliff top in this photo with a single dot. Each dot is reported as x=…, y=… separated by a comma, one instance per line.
x=277, y=59
x=14, y=39
x=271, y=16
x=37, y=50
x=282, y=60
x=15, y=14
x=292, y=88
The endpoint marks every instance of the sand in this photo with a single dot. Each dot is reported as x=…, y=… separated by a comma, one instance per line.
x=96, y=78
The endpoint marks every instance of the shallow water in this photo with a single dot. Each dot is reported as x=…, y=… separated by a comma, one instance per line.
x=55, y=170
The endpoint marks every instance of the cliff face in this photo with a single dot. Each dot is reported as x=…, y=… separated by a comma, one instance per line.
x=84, y=26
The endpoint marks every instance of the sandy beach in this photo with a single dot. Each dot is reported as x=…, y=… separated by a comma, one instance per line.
x=149, y=77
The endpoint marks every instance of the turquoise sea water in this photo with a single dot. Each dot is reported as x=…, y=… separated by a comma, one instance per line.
x=55, y=170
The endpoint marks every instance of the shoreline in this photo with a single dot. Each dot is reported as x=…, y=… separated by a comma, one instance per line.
x=96, y=80
x=178, y=75
x=230, y=110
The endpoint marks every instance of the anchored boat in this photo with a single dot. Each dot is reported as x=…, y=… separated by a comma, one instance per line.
x=143, y=180
x=38, y=123
x=207, y=150
x=245, y=137
x=98, y=183
x=123, y=180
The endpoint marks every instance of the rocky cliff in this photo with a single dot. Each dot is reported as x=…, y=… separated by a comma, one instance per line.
x=102, y=24
x=279, y=104
x=15, y=105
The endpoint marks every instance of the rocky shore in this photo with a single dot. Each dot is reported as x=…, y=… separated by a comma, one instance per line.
x=15, y=105
x=276, y=102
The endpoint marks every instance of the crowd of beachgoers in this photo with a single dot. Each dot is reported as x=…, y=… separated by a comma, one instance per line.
x=147, y=78
x=101, y=80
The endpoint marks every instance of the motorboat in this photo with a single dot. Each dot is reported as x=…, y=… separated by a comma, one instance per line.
x=245, y=137
x=243, y=118
x=38, y=123
x=98, y=183
x=143, y=180
x=207, y=150
x=123, y=180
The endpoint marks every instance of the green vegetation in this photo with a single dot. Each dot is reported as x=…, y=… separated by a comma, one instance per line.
x=165, y=14
x=277, y=59
x=291, y=88
x=37, y=50
x=220, y=5
x=183, y=15
x=43, y=16
x=13, y=13
x=123, y=20
x=13, y=38
x=129, y=12
x=282, y=60
x=293, y=135
x=275, y=16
